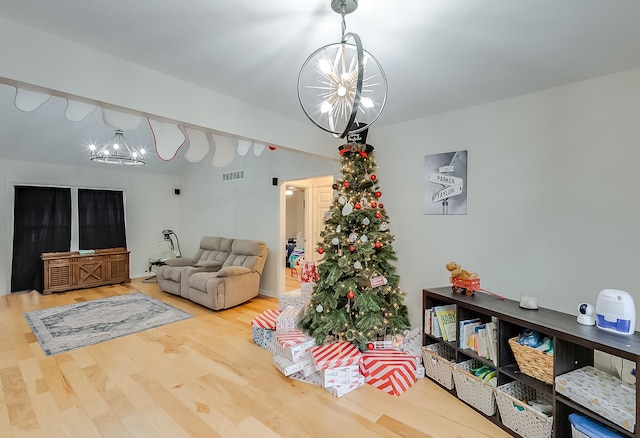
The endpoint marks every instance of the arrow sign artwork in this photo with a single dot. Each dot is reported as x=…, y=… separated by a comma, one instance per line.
x=445, y=183
x=445, y=180
x=447, y=192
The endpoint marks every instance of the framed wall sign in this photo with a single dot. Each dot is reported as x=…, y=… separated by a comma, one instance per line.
x=445, y=183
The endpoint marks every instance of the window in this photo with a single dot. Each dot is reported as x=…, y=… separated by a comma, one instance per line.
x=45, y=221
x=101, y=219
x=42, y=223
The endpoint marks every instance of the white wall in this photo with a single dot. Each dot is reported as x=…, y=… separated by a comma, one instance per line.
x=150, y=203
x=553, y=207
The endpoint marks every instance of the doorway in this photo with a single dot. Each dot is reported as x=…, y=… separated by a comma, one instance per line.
x=304, y=205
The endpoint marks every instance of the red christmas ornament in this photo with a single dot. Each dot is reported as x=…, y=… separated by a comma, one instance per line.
x=378, y=215
x=373, y=177
x=345, y=184
x=352, y=248
x=320, y=250
x=350, y=295
x=370, y=346
x=357, y=206
x=378, y=245
x=374, y=204
x=378, y=194
x=381, y=205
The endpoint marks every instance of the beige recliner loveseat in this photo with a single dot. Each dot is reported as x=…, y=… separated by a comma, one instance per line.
x=222, y=274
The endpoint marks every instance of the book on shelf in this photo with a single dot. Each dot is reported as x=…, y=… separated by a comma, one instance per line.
x=492, y=341
x=466, y=330
x=446, y=316
x=435, y=325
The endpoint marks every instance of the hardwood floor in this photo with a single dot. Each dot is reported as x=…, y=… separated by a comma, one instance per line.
x=202, y=377
x=291, y=282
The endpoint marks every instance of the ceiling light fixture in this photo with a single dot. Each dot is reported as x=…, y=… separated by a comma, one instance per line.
x=118, y=150
x=342, y=87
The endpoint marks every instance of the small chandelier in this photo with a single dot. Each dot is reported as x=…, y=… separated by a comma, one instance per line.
x=341, y=87
x=118, y=150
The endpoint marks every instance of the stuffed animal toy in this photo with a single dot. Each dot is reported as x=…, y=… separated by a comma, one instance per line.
x=457, y=271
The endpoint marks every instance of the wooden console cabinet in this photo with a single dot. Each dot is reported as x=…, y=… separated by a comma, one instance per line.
x=65, y=271
x=574, y=348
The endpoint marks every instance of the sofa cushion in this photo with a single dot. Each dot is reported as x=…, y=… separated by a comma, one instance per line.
x=207, y=264
x=228, y=271
x=173, y=274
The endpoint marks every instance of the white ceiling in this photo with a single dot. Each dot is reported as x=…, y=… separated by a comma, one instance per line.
x=438, y=55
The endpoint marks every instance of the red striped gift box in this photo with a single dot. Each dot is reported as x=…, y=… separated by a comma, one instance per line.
x=266, y=319
x=337, y=354
x=390, y=370
x=293, y=337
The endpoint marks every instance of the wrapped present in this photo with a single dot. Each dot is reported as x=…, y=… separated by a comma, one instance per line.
x=411, y=343
x=390, y=370
x=420, y=372
x=313, y=378
x=341, y=390
x=288, y=367
x=262, y=336
x=294, y=298
x=340, y=376
x=296, y=350
x=337, y=354
x=309, y=272
x=287, y=339
x=306, y=289
x=266, y=319
x=288, y=319
x=386, y=343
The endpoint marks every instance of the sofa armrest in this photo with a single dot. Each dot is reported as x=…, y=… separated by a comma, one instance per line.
x=177, y=262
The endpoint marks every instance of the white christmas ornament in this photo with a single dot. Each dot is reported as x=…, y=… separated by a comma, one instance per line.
x=363, y=201
x=384, y=226
x=347, y=209
x=338, y=229
x=335, y=194
x=341, y=200
x=353, y=237
x=363, y=238
x=357, y=265
x=366, y=221
x=335, y=241
x=319, y=308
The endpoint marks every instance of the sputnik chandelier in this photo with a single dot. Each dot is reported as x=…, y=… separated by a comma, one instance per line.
x=118, y=150
x=341, y=87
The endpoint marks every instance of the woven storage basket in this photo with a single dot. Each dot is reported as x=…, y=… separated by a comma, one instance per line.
x=438, y=363
x=518, y=415
x=533, y=362
x=471, y=389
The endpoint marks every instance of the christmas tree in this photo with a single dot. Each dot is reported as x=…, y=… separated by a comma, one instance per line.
x=356, y=298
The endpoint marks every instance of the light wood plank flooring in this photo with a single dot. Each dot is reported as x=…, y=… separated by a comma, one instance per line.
x=202, y=377
x=291, y=282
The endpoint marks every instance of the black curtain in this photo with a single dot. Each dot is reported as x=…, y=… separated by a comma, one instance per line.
x=101, y=219
x=42, y=223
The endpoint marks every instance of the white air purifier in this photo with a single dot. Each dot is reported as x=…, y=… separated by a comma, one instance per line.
x=616, y=312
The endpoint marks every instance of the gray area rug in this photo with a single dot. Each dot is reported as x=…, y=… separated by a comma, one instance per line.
x=65, y=328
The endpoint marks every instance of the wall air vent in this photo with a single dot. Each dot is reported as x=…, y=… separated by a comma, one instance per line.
x=233, y=176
